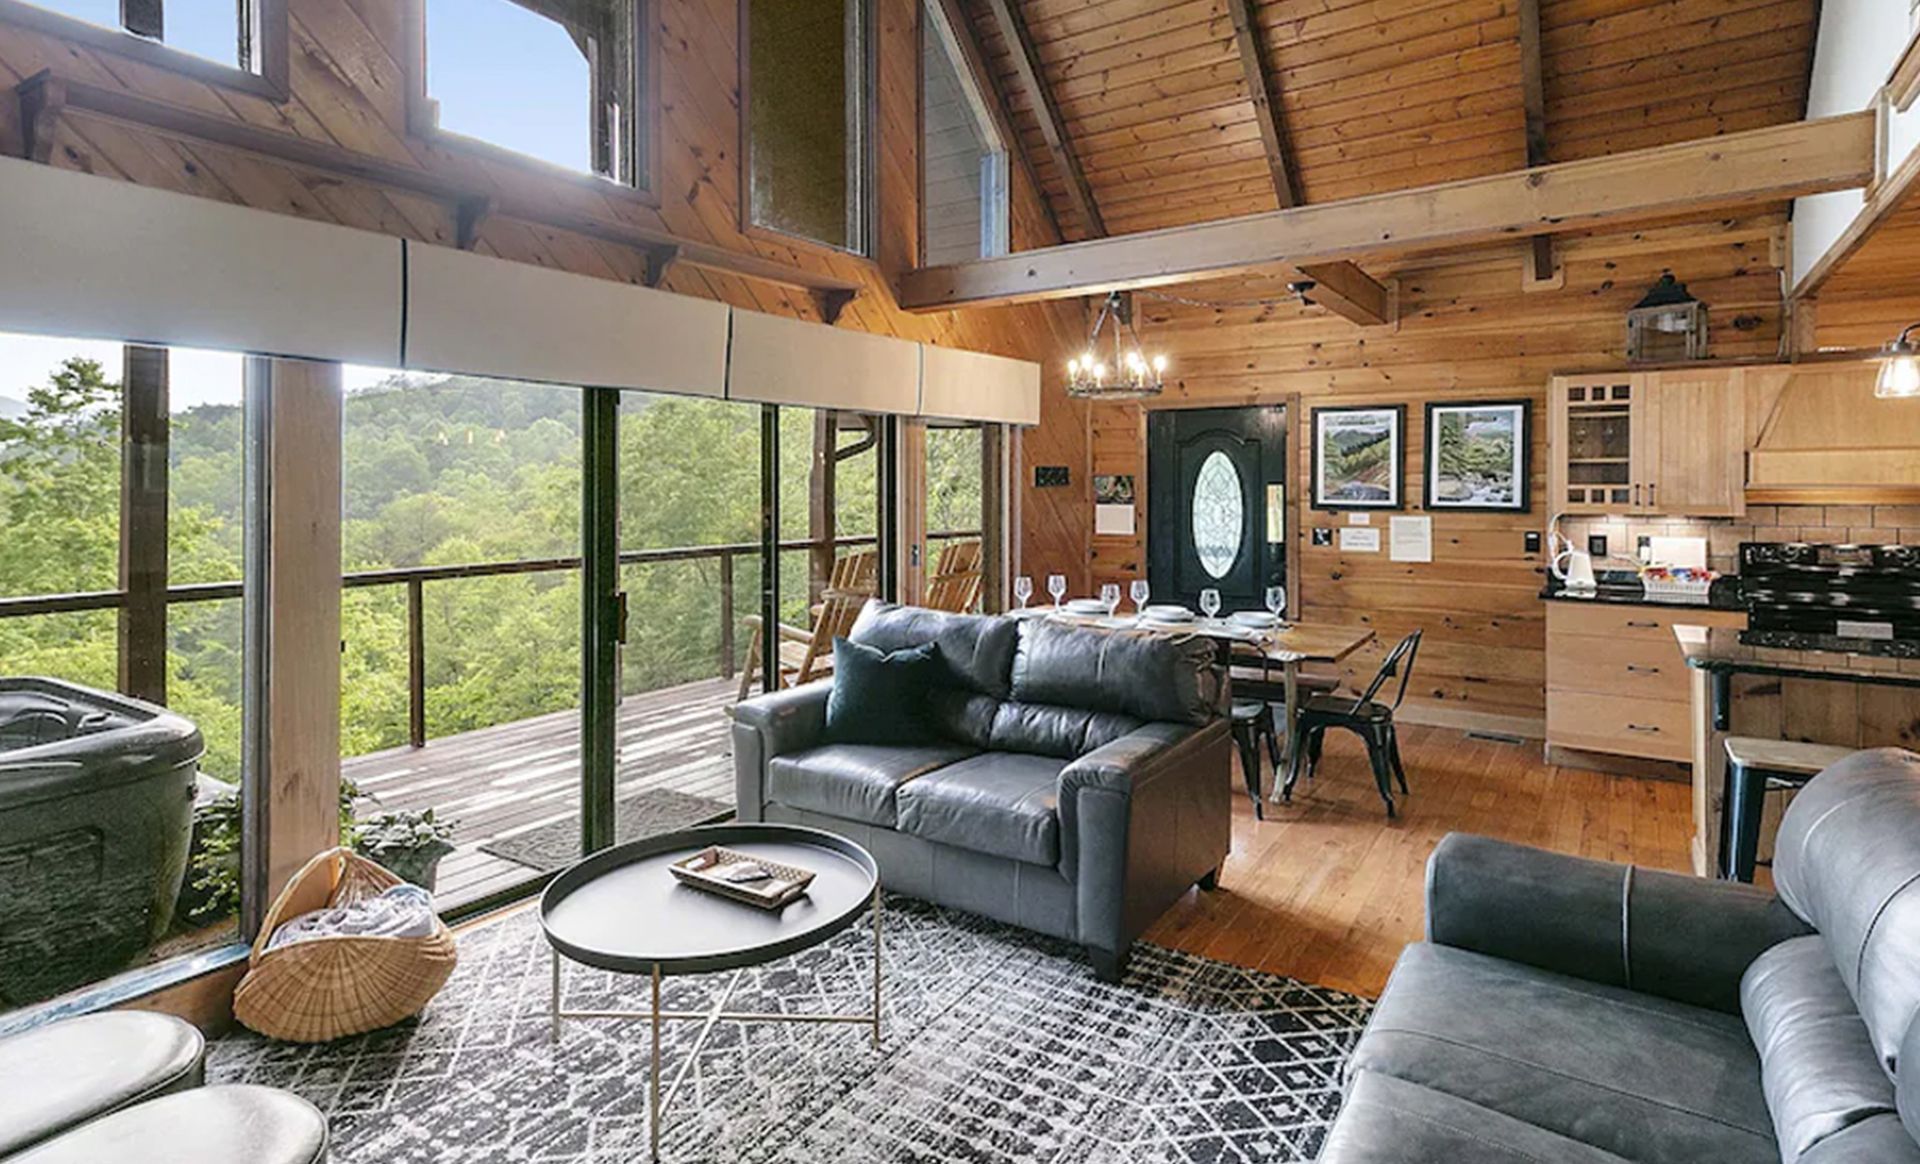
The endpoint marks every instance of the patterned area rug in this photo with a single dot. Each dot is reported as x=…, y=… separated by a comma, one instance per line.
x=999, y=1046
x=644, y=814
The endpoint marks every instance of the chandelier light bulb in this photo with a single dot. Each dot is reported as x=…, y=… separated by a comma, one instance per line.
x=1159, y=364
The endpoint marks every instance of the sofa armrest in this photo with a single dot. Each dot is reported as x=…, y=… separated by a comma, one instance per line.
x=775, y=724
x=1118, y=763
x=1679, y=937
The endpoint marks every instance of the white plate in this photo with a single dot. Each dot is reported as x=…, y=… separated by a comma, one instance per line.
x=1167, y=614
x=1086, y=606
x=1258, y=619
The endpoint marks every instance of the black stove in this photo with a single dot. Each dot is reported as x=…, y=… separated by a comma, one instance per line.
x=1863, y=600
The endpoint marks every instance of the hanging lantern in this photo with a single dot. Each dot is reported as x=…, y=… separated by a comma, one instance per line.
x=1667, y=325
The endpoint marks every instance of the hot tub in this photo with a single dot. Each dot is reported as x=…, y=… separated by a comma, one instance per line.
x=96, y=806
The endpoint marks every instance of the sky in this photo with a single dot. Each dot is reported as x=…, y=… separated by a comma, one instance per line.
x=473, y=46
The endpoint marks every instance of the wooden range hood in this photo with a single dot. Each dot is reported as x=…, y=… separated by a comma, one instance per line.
x=1817, y=435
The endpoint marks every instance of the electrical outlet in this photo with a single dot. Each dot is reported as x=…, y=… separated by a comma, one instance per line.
x=1322, y=536
x=1597, y=545
x=1051, y=476
x=1533, y=541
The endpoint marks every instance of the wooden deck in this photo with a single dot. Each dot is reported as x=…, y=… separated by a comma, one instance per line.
x=499, y=781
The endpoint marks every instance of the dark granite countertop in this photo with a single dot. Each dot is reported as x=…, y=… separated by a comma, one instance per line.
x=1724, y=596
x=1720, y=649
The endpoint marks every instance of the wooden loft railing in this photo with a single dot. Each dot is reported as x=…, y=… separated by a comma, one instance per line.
x=46, y=95
x=415, y=578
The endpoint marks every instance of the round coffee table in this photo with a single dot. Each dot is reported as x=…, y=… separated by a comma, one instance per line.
x=622, y=910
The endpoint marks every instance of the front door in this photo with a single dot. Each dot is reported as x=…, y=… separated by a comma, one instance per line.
x=1216, y=504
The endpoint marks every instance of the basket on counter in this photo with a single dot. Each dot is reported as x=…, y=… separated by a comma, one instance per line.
x=1677, y=583
x=323, y=988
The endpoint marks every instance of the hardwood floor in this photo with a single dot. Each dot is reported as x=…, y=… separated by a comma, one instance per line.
x=1328, y=890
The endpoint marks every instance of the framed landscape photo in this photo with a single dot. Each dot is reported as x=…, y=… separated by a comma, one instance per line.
x=1477, y=455
x=1359, y=457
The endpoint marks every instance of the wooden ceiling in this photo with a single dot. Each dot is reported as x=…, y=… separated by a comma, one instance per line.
x=1154, y=105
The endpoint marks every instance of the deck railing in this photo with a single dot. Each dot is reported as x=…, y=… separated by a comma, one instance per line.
x=415, y=578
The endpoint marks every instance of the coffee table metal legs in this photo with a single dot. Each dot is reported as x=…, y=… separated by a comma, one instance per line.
x=656, y=1016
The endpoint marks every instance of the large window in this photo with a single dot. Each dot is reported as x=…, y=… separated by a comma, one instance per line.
x=564, y=81
x=963, y=196
x=806, y=79
x=121, y=494
x=244, y=39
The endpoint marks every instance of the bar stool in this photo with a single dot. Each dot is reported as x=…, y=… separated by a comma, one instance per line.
x=1754, y=768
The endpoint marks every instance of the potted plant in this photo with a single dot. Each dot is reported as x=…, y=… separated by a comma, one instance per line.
x=409, y=844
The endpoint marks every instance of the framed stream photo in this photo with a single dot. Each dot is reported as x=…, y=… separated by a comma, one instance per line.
x=1477, y=455
x=1359, y=457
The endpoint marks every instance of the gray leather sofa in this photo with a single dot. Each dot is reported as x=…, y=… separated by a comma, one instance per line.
x=1074, y=782
x=1585, y=1012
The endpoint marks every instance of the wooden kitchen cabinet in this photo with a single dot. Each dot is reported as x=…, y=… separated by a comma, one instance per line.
x=1617, y=683
x=1643, y=443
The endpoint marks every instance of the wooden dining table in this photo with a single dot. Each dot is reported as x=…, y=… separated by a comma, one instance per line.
x=1286, y=646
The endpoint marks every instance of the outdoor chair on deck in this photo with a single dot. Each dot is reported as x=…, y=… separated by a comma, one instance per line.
x=1371, y=721
x=955, y=583
x=804, y=654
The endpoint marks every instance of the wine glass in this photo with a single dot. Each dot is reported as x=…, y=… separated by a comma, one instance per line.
x=1110, y=597
x=1022, y=590
x=1057, y=586
x=1139, y=592
x=1210, y=602
x=1276, y=601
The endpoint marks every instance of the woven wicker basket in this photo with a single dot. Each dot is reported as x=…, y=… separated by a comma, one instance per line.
x=327, y=988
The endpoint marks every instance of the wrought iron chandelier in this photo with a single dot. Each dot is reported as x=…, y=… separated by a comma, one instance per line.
x=1131, y=375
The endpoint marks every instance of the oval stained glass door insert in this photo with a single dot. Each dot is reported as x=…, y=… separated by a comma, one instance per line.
x=1219, y=514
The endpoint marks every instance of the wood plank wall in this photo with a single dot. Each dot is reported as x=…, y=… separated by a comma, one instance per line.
x=350, y=75
x=1467, y=331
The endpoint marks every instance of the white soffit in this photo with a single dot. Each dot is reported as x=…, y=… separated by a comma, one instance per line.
x=96, y=257
x=775, y=360
x=482, y=316
x=960, y=385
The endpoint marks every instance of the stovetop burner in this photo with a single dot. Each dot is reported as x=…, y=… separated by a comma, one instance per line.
x=1805, y=641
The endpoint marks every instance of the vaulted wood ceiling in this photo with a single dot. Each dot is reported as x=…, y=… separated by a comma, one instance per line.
x=1155, y=108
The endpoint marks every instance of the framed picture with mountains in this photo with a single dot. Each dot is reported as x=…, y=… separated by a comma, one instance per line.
x=1359, y=457
x=1477, y=455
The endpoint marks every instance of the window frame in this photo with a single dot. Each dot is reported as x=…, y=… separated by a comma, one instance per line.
x=262, y=42
x=862, y=123
x=639, y=129
x=996, y=215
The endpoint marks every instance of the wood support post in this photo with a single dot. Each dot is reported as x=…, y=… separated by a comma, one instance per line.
x=821, y=488
x=996, y=526
x=43, y=98
x=143, y=524
x=912, y=455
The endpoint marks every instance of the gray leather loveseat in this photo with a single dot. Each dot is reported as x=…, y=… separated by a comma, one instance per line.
x=1074, y=782
x=1590, y=1013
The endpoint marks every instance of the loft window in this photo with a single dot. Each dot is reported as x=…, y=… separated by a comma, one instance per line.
x=237, y=42
x=963, y=175
x=562, y=81
x=806, y=78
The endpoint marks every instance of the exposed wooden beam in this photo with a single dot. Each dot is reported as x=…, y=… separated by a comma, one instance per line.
x=953, y=14
x=1533, y=96
x=1737, y=169
x=1886, y=196
x=1026, y=67
x=1342, y=288
x=337, y=162
x=43, y=98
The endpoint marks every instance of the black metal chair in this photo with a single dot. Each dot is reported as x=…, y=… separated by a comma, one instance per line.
x=1253, y=724
x=1258, y=696
x=1370, y=720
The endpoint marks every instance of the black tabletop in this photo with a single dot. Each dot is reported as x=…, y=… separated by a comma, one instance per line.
x=622, y=910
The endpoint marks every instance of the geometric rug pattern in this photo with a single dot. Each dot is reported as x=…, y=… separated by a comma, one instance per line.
x=999, y=1046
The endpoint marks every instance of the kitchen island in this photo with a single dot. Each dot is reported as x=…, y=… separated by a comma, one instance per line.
x=1827, y=697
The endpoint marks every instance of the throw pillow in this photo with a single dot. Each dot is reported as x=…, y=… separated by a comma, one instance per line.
x=880, y=697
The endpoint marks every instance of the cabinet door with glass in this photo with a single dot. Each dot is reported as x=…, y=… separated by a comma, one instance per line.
x=1595, y=443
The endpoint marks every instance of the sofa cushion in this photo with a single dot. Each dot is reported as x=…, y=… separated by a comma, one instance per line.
x=1148, y=676
x=880, y=697
x=1879, y=1140
x=854, y=781
x=965, y=717
x=1639, y=1076
x=65, y=1073
x=239, y=1124
x=999, y=803
x=1390, y=1121
x=1816, y=1061
x=1045, y=730
x=1848, y=862
x=976, y=650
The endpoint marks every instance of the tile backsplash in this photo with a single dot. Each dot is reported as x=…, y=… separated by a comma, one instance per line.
x=1876, y=524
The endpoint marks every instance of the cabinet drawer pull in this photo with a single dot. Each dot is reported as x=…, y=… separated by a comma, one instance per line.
x=1643, y=625
x=1642, y=727
x=1636, y=669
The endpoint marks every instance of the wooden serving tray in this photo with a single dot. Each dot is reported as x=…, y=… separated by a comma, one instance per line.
x=697, y=870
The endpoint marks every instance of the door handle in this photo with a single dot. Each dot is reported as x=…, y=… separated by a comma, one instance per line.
x=620, y=617
x=1652, y=497
x=1636, y=496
